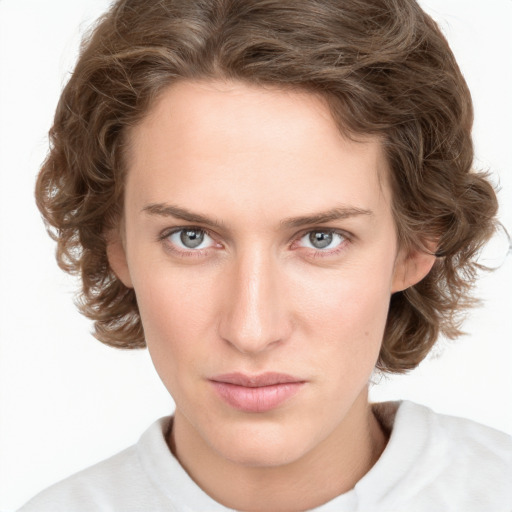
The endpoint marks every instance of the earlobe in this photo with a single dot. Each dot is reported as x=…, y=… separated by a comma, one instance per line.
x=411, y=267
x=116, y=255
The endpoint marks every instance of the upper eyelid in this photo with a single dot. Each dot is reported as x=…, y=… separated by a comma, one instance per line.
x=169, y=231
x=326, y=229
x=341, y=232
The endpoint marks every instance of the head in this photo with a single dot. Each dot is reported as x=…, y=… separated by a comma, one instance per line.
x=380, y=72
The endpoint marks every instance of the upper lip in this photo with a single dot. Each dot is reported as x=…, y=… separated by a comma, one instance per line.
x=255, y=381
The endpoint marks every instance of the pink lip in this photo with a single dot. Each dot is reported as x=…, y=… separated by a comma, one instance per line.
x=257, y=393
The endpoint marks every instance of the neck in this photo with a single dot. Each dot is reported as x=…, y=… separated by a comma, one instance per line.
x=332, y=468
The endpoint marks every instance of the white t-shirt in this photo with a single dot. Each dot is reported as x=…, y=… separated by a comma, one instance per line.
x=432, y=463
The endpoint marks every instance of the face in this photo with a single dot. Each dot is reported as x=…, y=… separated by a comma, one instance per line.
x=262, y=250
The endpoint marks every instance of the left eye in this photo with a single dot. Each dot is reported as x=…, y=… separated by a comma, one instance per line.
x=190, y=238
x=322, y=240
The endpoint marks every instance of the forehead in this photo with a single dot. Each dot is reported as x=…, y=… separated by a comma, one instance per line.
x=228, y=143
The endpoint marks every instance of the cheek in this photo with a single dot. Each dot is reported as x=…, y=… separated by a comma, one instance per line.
x=347, y=318
x=356, y=296
x=175, y=314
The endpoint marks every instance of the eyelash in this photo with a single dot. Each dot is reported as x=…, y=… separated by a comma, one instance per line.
x=199, y=253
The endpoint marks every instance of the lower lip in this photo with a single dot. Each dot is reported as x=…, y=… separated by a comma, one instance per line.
x=258, y=399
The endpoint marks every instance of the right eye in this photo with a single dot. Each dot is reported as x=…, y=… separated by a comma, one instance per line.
x=189, y=239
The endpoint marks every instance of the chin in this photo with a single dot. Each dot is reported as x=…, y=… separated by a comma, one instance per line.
x=262, y=455
x=263, y=445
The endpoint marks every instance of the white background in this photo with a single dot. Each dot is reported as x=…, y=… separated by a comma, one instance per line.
x=67, y=401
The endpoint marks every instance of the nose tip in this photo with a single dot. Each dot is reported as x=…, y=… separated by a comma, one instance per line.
x=252, y=340
x=254, y=317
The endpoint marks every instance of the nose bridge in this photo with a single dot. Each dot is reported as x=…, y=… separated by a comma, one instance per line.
x=253, y=318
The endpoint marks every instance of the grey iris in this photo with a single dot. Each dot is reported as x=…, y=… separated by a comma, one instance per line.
x=192, y=238
x=320, y=239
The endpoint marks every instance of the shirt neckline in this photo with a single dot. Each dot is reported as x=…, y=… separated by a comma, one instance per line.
x=404, y=420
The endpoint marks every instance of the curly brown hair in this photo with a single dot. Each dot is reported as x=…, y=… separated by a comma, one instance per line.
x=384, y=68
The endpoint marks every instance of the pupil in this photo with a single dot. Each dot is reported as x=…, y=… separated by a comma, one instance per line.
x=320, y=239
x=192, y=238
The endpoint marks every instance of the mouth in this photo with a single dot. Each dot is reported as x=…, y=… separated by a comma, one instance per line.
x=256, y=393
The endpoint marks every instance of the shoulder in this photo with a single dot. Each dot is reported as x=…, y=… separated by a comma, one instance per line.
x=117, y=483
x=474, y=461
x=463, y=439
x=442, y=462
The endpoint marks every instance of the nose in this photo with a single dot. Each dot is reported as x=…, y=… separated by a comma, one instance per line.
x=254, y=317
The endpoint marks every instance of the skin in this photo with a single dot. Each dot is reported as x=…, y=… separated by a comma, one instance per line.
x=257, y=296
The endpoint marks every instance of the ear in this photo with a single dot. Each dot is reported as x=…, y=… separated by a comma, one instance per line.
x=116, y=254
x=411, y=266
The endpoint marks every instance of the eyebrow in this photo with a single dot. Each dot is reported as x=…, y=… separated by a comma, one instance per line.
x=339, y=213
x=169, y=210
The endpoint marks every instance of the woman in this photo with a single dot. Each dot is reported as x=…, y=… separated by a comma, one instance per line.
x=275, y=198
